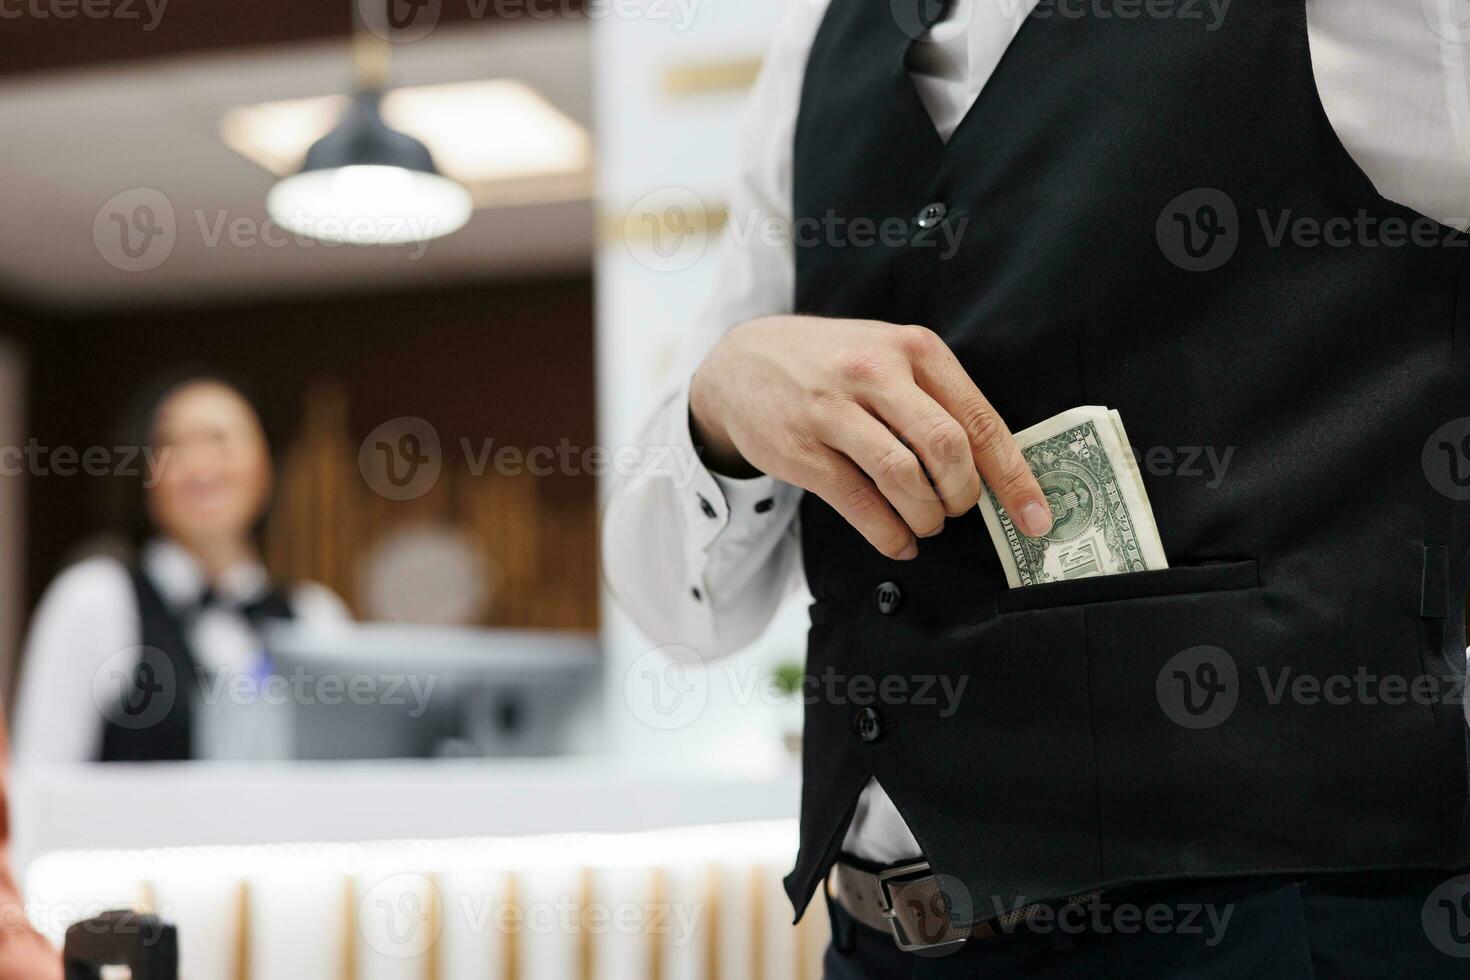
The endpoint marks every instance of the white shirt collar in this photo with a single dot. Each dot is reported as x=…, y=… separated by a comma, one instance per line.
x=181, y=580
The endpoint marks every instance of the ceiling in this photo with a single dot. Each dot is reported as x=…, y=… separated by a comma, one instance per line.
x=44, y=36
x=80, y=138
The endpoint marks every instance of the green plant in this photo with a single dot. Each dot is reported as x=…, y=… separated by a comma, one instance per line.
x=788, y=678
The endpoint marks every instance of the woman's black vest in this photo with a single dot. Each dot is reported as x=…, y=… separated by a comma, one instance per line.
x=1106, y=228
x=154, y=720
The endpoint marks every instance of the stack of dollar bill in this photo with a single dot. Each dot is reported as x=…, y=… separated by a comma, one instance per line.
x=1103, y=524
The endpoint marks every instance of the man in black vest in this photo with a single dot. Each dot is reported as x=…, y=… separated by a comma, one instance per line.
x=1252, y=763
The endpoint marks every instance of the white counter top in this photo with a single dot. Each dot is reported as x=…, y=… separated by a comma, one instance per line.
x=186, y=804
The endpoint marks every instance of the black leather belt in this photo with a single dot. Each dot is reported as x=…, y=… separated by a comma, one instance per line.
x=909, y=902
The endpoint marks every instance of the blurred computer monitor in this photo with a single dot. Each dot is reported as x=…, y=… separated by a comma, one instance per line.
x=381, y=691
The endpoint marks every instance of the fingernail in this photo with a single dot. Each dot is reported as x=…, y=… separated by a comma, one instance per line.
x=1035, y=519
x=909, y=553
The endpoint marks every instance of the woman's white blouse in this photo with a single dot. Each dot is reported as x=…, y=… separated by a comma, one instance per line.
x=86, y=626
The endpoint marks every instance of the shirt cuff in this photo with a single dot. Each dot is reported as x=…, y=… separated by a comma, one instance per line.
x=713, y=503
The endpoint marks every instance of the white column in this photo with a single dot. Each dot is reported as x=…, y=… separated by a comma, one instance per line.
x=668, y=96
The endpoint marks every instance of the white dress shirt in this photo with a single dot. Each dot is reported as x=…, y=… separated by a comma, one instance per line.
x=1392, y=77
x=88, y=622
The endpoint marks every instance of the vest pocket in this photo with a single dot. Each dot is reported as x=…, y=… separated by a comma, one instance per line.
x=1223, y=576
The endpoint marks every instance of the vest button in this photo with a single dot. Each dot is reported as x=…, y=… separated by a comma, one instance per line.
x=931, y=216
x=868, y=725
x=889, y=597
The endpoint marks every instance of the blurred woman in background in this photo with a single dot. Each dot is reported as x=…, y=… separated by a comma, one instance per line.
x=140, y=661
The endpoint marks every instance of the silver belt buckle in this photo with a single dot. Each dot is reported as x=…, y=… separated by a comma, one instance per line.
x=901, y=938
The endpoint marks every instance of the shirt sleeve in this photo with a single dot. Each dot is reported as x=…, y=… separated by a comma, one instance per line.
x=697, y=559
x=1394, y=80
x=86, y=623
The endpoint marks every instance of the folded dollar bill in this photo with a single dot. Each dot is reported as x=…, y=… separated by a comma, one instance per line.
x=1103, y=524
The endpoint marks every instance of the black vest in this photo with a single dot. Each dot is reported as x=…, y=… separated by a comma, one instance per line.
x=1134, y=728
x=154, y=720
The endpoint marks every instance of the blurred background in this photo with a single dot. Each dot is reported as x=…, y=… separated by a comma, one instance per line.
x=445, y=404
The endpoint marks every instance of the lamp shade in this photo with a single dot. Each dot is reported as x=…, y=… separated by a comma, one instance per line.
x=368, y=184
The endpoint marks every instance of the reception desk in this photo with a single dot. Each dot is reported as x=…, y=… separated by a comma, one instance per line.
x=578, y=868
x=174, y=805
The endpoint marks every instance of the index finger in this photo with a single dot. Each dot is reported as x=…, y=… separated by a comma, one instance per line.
x=997, y=456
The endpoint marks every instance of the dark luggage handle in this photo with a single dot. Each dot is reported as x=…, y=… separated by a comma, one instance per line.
x=145, y=944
